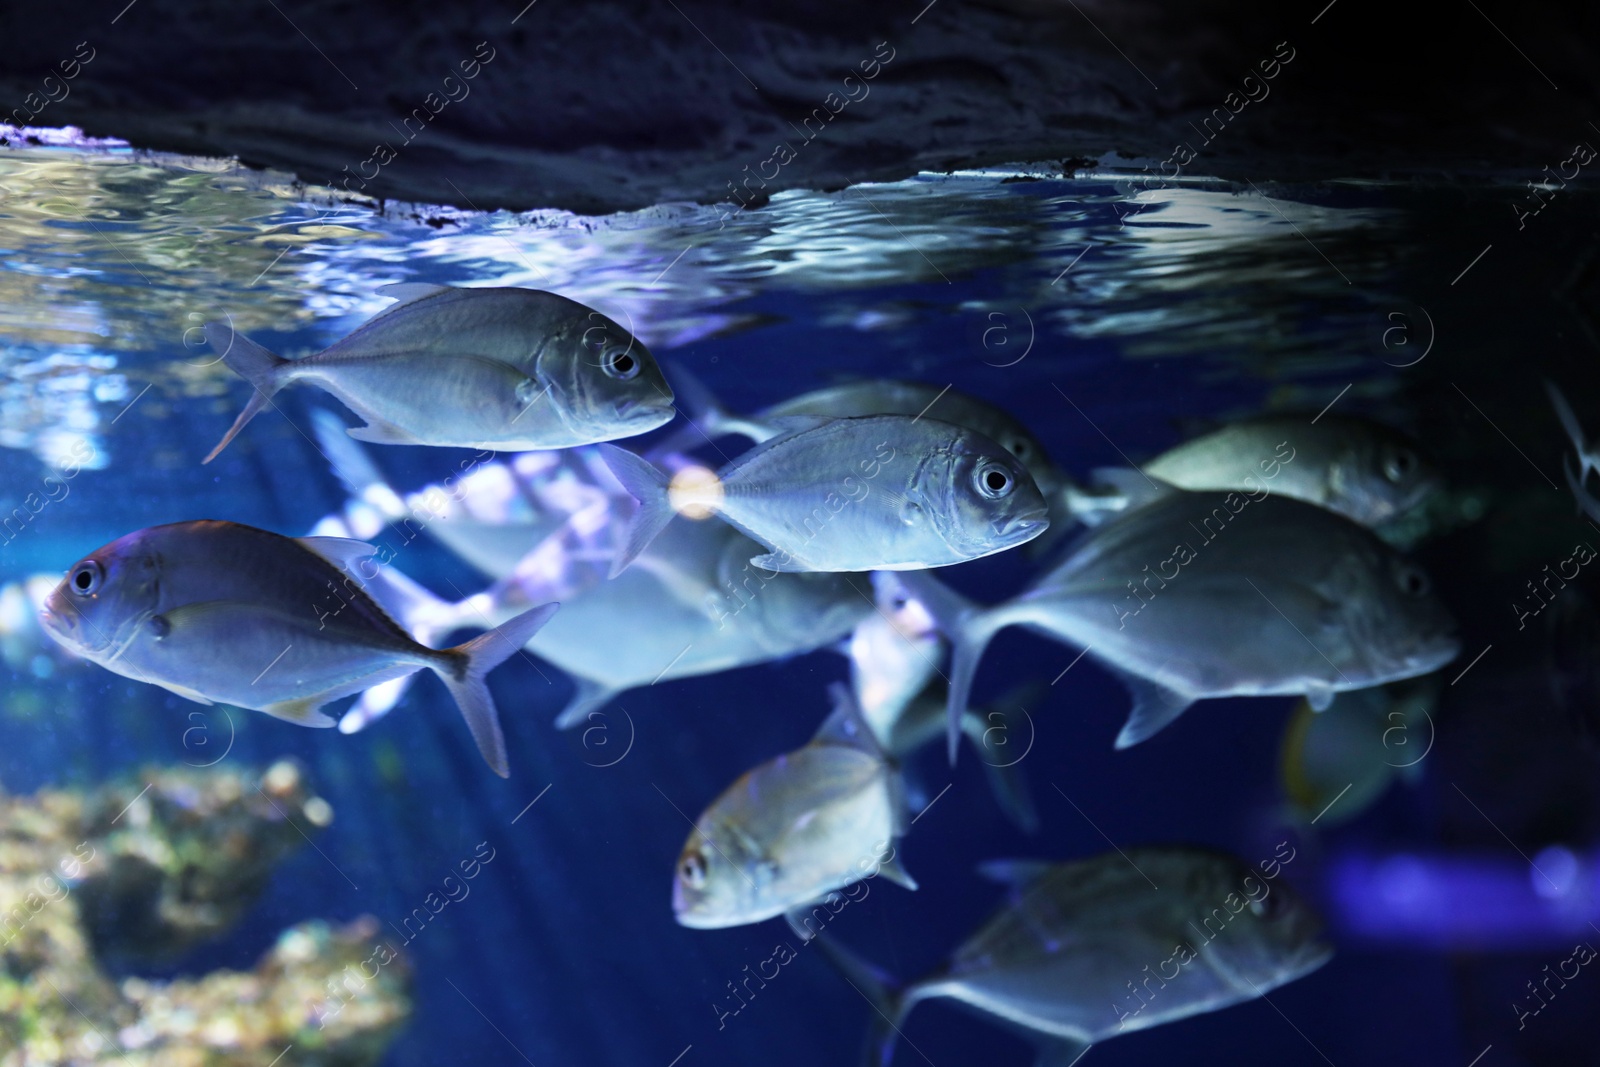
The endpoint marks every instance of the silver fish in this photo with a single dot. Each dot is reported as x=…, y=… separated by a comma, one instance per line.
x=217, y=611
x=1059, y=959
x=509, y=369
x=1363, y=470
x=794, y=829
x=870, y=396
x=691, y=605
x=880, y=492
x=1200, y=595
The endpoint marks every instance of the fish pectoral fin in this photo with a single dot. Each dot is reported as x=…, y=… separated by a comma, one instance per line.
x=1154, y=708
x=1014, y=873
x=779, y=561
x=381, y=433
x=1320, y=696
x=1059, y=1051
x=300, y=712
x=897, y=874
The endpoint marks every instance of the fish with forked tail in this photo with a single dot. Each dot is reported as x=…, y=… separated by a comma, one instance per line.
x=1201, y=595
x=221, y=612
x=508, y=369
x=1057, y=960
x=878, y=492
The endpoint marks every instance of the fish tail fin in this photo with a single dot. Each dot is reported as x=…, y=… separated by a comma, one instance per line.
x=1574, y=431
x=468, y=685
x=969, y=627
x=887, y=995
x=256, y=365
x=646, y=484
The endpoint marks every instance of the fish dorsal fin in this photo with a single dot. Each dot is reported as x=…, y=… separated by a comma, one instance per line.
x=404, y=293
x=846, y=725
x=1155, y=706
x=786, y=426
x=1015, y=874
x=342, y=552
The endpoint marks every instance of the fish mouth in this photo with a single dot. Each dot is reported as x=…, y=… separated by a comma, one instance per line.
x=1310, y=957
x=1024, y=527
x=645, y=414
x=1434, y=654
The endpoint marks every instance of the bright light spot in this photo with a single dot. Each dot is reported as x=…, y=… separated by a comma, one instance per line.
x=1403, y=882
x=1555, y=872
x=695, y=492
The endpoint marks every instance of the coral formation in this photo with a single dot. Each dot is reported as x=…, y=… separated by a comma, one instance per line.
x=148, y=868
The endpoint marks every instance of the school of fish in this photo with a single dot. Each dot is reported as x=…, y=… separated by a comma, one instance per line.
x=1248, y=561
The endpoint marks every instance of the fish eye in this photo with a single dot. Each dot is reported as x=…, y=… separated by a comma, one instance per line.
x=1268, y=907
x=993, y=481
x=1399, y=465
x=692, y=869
x=86, y=578
x=620, y=363
x=1413, y=582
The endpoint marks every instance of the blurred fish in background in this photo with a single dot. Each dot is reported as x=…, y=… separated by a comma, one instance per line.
x=1336, y=763
x=1363, y=470
x=1070, y=958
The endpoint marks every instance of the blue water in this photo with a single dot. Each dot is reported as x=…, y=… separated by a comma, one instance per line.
x=1210, y=303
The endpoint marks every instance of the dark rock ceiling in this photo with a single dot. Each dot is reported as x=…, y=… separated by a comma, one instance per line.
x=611, y=105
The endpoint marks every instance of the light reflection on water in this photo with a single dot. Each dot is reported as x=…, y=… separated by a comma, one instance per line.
x=113, y=259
